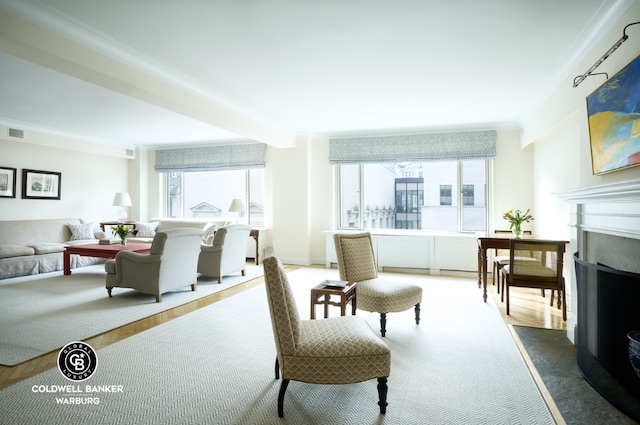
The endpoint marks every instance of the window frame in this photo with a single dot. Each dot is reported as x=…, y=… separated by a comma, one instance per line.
x=166, y=199
x=487, y=191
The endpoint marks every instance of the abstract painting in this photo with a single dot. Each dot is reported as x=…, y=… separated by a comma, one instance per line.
x=614, y=121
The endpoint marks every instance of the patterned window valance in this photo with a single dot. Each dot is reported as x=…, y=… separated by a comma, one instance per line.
x=456, y=146
x=211, y=158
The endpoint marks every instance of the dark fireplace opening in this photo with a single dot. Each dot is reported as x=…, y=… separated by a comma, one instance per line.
x=608, y=308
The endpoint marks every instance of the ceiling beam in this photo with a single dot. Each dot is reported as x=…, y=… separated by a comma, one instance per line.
x=26, y=40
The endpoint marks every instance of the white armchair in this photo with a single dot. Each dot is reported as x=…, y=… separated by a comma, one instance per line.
x=171, y=264
x=226, y=253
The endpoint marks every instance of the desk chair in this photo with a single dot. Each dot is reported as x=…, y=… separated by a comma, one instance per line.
x=501, y=258
x=544, y=273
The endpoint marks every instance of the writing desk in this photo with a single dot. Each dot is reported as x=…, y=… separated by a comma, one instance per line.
x=491, y=242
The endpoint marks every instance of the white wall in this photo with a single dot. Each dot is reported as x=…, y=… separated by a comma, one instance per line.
x=323, y=203
x=560, y=135
x=88, y=184
x=287, y=196
x=512, y=180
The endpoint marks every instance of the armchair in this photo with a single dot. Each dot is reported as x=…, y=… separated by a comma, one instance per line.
x=170, y=264
x=356, y=263
x=338, y=350
x=227, y=252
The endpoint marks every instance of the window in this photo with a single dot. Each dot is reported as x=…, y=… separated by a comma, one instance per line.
x=409, y=200
x=208, y=194
x=467, y=194
x=445, y=194
x=417, y=196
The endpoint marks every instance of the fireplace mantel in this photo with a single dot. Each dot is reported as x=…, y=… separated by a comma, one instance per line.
x=622, y=191
x=611, y=209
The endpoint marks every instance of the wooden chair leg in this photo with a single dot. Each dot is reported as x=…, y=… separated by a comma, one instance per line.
x=277, y=368
x=283, y=389
x=507, y=291
x=383, y=324
x=560, y=298
x=493, y=274
x=382, y=395
x=417, y=311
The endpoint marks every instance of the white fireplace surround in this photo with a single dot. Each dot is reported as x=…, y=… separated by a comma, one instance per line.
x=611, y=209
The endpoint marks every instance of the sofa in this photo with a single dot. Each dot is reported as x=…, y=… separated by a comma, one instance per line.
x=29, y=247
x=145, y=231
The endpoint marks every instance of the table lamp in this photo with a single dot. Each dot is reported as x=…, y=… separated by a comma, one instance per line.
x=237, y=206
x=122, y=200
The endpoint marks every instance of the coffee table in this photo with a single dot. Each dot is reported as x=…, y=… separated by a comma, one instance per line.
x=101, y=251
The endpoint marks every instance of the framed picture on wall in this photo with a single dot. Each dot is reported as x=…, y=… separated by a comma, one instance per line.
x=614, y=121
x=7, y=182
x=40, y=184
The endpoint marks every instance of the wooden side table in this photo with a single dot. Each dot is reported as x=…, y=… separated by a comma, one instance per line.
x=105, y=224
x=321, y=295
x=255, y=234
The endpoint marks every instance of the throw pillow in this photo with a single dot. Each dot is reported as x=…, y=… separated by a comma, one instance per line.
x=81, y=231
x=146, y=230
x=209, y=233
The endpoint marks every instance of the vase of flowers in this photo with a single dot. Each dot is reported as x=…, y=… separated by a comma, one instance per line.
x=122, y=231
x=516, y=219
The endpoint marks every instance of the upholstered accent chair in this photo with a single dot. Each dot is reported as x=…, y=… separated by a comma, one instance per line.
x=356, y=263
x=170, y=264
x=536, y=263
x=225, y=253
x=338, y=350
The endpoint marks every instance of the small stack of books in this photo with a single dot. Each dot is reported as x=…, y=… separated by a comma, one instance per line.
x=109, y=241
x=335, y=283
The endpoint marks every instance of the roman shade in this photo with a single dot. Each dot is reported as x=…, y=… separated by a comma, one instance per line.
x=455, y=146
x=211, y=158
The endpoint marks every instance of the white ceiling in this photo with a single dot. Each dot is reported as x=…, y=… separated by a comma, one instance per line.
x=192, y=71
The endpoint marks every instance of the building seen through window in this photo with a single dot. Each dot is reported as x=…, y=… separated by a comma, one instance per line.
x=209, y=195
x=434, y=196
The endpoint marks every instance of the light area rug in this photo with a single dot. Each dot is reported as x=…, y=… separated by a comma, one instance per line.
x=41, y=313
x=216, y=366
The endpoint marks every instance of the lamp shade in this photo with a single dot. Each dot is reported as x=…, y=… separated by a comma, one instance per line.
x=236, y=205
x=122, y=199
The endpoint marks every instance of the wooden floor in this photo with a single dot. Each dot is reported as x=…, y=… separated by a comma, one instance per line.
x=528, y=308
